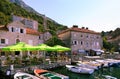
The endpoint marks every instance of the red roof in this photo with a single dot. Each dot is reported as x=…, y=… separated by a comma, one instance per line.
x=32, y=31
x=79, y=30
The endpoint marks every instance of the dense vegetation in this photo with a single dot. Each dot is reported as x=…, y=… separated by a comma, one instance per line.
x=55, y=41
x=114, y=45
x=8, y=9
x=115, y=33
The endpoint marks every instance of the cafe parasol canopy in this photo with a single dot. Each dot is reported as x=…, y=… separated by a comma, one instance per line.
x=44, y=47
x=20, y=46
x=61, y=48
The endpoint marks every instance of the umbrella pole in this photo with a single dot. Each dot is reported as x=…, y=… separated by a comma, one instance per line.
x=28, y=53
x=21, y=53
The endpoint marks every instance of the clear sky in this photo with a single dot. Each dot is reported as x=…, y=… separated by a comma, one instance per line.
x=97, y=15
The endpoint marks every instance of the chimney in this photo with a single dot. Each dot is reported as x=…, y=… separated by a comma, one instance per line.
x=75, y=26
x=87, y=28
x=83, y=27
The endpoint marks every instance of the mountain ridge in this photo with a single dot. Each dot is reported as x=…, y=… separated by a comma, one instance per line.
x=8, y=9
x=28, y=8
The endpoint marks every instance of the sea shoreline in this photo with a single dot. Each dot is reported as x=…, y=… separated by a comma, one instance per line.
x=47, y=66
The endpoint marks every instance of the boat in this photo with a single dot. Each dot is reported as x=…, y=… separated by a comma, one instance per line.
x=105, y=63
x=109, y=77
x=78, y=69
x=22, y=75
x=87, y=66
x=91, y=64
x=114, y=62
x=45, y=74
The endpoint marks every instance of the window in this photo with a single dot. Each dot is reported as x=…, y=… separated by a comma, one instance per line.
x=2, y=41
x=87, y=44
x=97, y=37
x=81, y=42
x=74, y=42
x=87, y=36
x=40, y=37
x=12, y=29
x=21, y=31
x=2, y=53
x=81, y=35
x=17, y=40
x=17, y=52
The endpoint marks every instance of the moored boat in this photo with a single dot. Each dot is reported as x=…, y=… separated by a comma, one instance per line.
x=109, y=77
x=78, y=69
x=114, y=62
x=22, y=75
x=45, y=74
x=87, y=66
x=105, y=63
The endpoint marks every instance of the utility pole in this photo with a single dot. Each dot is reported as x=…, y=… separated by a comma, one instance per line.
x=45, y=26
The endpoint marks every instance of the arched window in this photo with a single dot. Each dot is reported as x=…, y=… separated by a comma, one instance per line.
x=17, y=40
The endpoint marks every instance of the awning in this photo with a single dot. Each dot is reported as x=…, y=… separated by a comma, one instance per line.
x=98, y=50
x=81, y=51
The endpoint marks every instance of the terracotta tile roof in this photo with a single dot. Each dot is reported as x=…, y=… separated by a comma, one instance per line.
x=83, y=30
x=3, y=27
x=32, y=31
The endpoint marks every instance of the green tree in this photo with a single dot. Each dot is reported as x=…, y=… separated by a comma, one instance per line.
x=8, y=9
x=54, y=41
x=107, y=45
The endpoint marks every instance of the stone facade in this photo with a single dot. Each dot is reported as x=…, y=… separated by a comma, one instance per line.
x=17, y=32
x=21, y=30
x=14, y=32
x=81, y=39
x=28, y=22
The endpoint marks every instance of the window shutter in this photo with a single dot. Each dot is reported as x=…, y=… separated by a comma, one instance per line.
x=24, y=31
x=18, y=30
x=10, y=29
x=6, y=41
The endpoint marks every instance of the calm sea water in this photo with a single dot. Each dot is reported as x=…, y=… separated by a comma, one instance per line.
x=112, y=71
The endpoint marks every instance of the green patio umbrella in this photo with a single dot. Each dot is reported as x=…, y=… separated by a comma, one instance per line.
x=14, y=47
x=61, y=48
x=27, y=47
x=21, y=46
x=44, y=47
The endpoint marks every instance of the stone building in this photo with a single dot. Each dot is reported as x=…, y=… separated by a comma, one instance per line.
x=81, y=39
x=21, y=30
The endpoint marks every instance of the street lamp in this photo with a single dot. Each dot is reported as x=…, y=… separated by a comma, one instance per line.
x=119, y=47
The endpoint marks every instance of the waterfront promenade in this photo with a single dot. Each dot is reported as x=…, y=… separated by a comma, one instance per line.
x=30, y=68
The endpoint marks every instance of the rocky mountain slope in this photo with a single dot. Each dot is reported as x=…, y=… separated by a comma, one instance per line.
x=28, y=8
x=19, y=8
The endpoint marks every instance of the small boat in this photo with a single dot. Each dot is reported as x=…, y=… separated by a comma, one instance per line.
x=114, y=62
x=108, y=77
x=45, y=74
x=22, y=75
x=87, y=66
x=92, y=64
x=78, y=69
x=105, y=63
